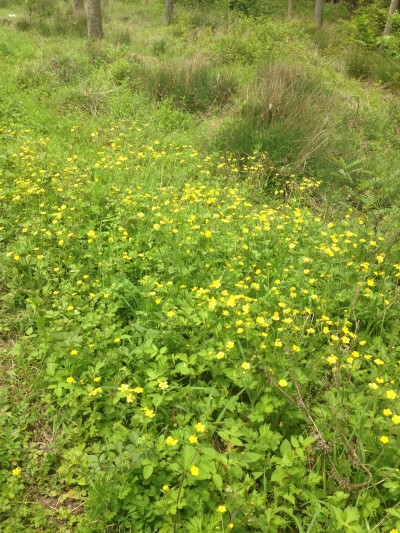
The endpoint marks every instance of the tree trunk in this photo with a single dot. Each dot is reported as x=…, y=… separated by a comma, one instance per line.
x=78, y=8
x=169, y=10
x=290, y=8
x=319, y=12
x=394, y=4
x=95, y=28
x=352, y=4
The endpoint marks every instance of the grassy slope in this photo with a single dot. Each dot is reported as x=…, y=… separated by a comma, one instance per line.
x=137, y=304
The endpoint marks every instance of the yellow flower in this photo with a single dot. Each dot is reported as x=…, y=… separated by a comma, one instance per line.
x=117, y=339
x=387, y=412
x=149, y=413
x=391, y=395
x=165, y=488
x=230, y=345
x=70, y=379
x=345, y=340
x=16, y=471
x=296, y=348
x=163, y=385
x=396, y=419
x=246, y=366
x=123, y=388
x=278, y=343
x=378, y=362
x=221, y=509
x=373, y=386
x=230, y=526
x=384, y=439
x=193, y=439
x=74, y=352
x=96, y=391
x=283, y=383
x=200, y=427
x=194, y=470
x=220, y=355
x=130, y=398
x=70, y=308
x=97, y=379
x=138, y=390
x=332, y=359
x=170, y=441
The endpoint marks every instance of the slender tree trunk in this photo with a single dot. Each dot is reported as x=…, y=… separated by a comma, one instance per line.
x=394, y=4
x=169, y=10
x=290, y=8
x=352, y=4
x=319, y=12
x=78, y=8
x=95, y=28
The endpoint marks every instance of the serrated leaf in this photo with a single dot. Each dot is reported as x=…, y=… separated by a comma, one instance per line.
x=147, y=471
x=217, y=481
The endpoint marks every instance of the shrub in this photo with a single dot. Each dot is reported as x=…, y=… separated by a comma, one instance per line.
x=367, y=27
x=248, y=40
x=287, y=111
x=23, y=24
x=365, y=64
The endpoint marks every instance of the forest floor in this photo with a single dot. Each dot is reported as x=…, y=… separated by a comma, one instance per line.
x=200, y=277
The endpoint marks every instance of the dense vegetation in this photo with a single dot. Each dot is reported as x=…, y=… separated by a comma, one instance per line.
x=200, y=269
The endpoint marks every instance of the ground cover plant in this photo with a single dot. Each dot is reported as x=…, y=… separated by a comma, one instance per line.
x=192, y=339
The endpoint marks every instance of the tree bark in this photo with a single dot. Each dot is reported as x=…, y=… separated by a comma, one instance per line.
x=290, y=8
x=352, y=4
x=319, y=12
x=95, y=27
x=78, y=8
x=169, y=10
x=394, y=4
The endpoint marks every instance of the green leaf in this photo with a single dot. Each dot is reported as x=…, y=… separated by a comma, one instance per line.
x=285, y=448
x=51, y=369
x=217, y=481
x=278, y=475
x=147, y=471
x=188, y=453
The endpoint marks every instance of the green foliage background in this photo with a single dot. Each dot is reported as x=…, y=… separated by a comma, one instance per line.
x=199, y=292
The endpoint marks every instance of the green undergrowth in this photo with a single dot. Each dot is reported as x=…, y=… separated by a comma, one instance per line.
x=195, y=335
x=177, y=354
x=225, y=73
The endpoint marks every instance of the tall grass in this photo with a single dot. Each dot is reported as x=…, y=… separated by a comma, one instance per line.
x=193, y=84
x=287, y=111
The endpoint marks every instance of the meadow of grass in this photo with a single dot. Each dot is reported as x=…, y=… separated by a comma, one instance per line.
x=195, y=337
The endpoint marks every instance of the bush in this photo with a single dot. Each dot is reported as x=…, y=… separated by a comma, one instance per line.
x=287, y=111
x=23, y=24
x=258, y=41
x=365, y=64
x=367, y=28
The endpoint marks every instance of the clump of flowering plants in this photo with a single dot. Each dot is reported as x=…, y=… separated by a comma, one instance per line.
x=206, y=360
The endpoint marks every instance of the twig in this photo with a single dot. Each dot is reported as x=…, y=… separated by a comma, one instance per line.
x=384, y=518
